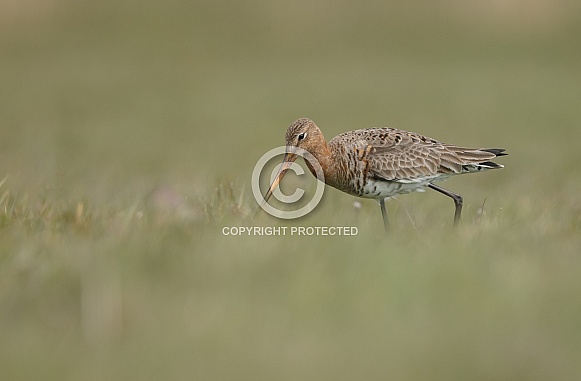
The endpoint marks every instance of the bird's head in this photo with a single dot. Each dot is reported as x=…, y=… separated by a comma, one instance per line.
x=302, y=133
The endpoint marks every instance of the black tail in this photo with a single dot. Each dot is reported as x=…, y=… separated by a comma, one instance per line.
x=496, y=151
x=490, y=165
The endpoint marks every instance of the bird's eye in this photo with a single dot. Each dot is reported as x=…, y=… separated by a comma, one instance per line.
x=302, y=136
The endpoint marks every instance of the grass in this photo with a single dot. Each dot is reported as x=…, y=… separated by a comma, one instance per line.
x=129, y=134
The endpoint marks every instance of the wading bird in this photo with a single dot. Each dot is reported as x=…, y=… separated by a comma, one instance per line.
x=380, y=163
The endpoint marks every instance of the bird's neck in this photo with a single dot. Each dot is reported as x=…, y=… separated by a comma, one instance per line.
x=323, y=156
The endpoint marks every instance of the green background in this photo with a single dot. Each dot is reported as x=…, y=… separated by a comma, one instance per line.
x=128, y=134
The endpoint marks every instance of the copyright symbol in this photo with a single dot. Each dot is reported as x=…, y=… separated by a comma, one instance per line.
x=277, y=174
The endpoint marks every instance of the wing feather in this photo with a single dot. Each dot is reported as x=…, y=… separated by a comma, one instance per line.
x=398, y=155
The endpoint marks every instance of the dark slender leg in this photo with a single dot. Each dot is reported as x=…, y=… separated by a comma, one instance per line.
x=457, y=201
x=384, y=214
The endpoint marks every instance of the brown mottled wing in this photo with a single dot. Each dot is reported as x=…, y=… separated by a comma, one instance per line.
x=399, y=155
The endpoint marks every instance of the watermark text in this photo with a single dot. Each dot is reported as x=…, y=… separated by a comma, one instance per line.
x=290, y=230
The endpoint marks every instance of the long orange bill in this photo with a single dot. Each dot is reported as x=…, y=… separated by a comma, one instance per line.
x=288, y=159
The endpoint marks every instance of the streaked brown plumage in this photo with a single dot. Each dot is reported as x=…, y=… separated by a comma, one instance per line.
x=380, y=163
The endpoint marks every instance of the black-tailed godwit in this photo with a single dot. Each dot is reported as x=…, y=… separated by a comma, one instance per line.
x=380, y=163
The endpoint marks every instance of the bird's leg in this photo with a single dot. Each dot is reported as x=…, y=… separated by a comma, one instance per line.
x=457, y=201
x=384, y=214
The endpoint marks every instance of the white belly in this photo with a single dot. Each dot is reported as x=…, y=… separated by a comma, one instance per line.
x=377, y=189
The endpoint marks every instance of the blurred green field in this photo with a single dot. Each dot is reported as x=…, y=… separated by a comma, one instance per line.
x=128, y=134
